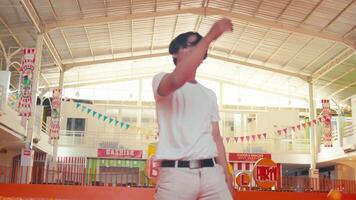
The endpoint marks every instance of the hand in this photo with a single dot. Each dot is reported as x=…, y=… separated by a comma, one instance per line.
x=219, y=27
x=228, y=179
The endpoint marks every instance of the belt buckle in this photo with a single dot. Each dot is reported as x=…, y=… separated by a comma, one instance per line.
x=194, y=164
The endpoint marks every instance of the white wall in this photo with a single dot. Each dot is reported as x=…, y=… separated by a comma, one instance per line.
x=6, y=158
x=269, y=121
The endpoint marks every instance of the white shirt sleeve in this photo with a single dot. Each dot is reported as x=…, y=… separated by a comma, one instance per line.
x=215, y=116
x=155, y=83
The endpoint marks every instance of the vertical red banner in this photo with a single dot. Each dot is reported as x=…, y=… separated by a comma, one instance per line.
x=326, y=126
x=26, y=78
x=55, y=113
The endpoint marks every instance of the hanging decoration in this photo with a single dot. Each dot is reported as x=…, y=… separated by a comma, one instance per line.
x=324, y=119
x=326, y=126
x=26, y=77
x=55, y=113
x=247, y=138
x=115, y=122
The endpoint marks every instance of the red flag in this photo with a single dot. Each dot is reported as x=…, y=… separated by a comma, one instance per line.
x=314, y=121
x=320, y=119
x=236, y=139
x=242, y=139
x=264, y=135
x=259, y=136
x=248, y=138
x=279, y=132
x=285, y=130
x=227, y=139
x=293, y=128
x=298, y=126
x=253, y=137
x=309, y=123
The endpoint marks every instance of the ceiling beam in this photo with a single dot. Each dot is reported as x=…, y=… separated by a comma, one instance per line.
x=262, y=67
x=18, y=42
x=337, y=78
x=111, y=60
x=110, y=19
x=276, y=70
x=319, y=56
x=332, y=64
x=32, y=14
x=341, y=89
x=90, y=82
x=204, y=11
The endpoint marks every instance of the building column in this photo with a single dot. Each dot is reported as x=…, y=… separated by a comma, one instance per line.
x=27, y=152
x=313, y=172
x=35, y=80
x=139, y=111
x=53, y=162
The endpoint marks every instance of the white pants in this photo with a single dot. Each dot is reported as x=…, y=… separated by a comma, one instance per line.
x=207, y=183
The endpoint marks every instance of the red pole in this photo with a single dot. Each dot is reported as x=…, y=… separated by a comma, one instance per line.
x=127, y=176
x=111, y=175
x=15, y=174
x=106, y=171
x=20, y=174
x=121, y=175
x=138, y=178
x=37, y=175
x=117, y=177
x=70, y=167
x=52, y=180
x=83, y=177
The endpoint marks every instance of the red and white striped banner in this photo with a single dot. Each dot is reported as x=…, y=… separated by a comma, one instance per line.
x=26, y=76
x=55, y=113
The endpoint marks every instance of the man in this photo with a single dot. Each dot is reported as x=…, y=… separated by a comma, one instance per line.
x=190, y=148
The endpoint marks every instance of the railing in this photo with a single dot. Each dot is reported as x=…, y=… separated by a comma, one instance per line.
x=130, y=177
x=349, y=130
x=71, y=175
x=93, y=139
x=306, y=184
x=272, y=145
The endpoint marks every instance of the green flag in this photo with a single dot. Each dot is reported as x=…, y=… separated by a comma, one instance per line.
x=100, y=115
x=77, y=105
x=94, y=113
x=121, y=124
x=110, y=120
x=127, y=126
x=105, y=118
x=116, y=122
x=84, y=108
x=88, y=111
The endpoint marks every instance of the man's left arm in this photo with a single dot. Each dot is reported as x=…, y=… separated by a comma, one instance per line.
x=222, y=155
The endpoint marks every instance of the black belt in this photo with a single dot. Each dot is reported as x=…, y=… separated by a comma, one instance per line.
x=192, y=164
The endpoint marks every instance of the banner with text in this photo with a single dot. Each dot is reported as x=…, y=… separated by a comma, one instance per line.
x=119, y=153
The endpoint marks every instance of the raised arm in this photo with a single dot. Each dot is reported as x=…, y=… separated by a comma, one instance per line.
x=186, y=68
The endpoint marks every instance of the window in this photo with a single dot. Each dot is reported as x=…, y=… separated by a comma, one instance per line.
x=75, y=126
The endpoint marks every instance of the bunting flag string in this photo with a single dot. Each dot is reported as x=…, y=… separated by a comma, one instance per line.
x=113, y=121
x=247, y=138
x=324, y=118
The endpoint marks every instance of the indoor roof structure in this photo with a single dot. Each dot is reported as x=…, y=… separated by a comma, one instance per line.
x=277, y=46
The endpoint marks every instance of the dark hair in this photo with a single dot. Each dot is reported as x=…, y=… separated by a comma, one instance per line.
x=181, y=42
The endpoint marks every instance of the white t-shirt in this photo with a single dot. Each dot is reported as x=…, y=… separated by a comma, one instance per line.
x=185, y=122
